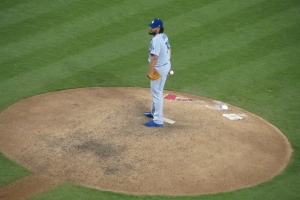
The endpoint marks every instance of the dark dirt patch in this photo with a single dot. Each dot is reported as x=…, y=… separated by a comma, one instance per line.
x=100, y=149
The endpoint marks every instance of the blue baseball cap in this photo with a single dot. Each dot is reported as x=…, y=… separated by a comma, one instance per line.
x=156, y=23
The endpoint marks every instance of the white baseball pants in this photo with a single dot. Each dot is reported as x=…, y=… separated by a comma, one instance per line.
x=157, y=88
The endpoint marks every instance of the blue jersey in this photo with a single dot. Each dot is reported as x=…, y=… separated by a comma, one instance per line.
x=160, y=46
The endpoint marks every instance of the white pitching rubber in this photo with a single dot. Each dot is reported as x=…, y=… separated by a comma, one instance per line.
x=168, y=120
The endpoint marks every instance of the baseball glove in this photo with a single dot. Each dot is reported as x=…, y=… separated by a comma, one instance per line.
x=156, y=75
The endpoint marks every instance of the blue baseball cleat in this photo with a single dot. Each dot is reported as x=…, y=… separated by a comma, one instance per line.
x=148, y=114
x=153, y=124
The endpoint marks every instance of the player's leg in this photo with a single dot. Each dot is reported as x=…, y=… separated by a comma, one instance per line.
x=157, y=88
x=157, y=92
x=152, y=110
x=153, y=105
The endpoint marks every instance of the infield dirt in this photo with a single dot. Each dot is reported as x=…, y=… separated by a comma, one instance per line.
x=95, y=137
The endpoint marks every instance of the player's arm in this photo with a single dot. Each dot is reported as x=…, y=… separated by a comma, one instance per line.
x=152, y=65
x=170, y=51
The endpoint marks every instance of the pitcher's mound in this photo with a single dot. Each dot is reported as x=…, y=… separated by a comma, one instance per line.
x=95, y=137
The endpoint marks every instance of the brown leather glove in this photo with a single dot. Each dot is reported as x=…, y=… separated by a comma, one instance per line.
x=156, y=75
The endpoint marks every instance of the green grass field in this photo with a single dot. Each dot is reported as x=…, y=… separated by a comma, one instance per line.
x=245, y=53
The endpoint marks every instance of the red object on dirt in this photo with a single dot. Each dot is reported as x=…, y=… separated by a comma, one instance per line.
x=171, y=96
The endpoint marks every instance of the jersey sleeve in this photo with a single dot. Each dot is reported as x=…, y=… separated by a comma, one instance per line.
x=155, y=48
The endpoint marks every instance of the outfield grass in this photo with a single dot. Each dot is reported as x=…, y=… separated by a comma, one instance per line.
x=10, y=171
x=245, y=53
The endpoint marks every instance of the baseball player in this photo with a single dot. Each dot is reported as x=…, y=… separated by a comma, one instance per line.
x=159, y=67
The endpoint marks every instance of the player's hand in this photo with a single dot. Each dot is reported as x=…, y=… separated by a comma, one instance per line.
x=149, y=75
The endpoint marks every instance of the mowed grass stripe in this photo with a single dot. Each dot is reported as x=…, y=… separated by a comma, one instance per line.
x=78, y=62
x=230, y=59
x=29, y=10
x=68, y=31
x=57, y=35
x=100, y=53
x=204, y=15
x=236, y=21
x=239, y=39
x=125, y=70
x=41, y=22
x=250, y=63
x=221, y=67
x=242, y=70
x=80, y=42
x=44, y=54
x=263, y=74
x=273, y=88
x=41, y=77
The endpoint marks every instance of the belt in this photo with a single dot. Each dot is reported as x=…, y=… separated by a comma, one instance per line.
x=164, y=64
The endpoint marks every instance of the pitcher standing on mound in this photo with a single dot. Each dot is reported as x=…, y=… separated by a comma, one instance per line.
x=159, y=67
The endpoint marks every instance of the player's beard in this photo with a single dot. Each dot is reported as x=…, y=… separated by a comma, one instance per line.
x=152, y=33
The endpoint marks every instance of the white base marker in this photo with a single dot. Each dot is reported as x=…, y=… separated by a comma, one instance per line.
x=232, y=116
x=168, y=120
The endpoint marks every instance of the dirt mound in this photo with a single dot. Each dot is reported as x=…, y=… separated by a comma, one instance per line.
x=95, y=137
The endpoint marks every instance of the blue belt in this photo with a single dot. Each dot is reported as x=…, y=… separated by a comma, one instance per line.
x=164, y=64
